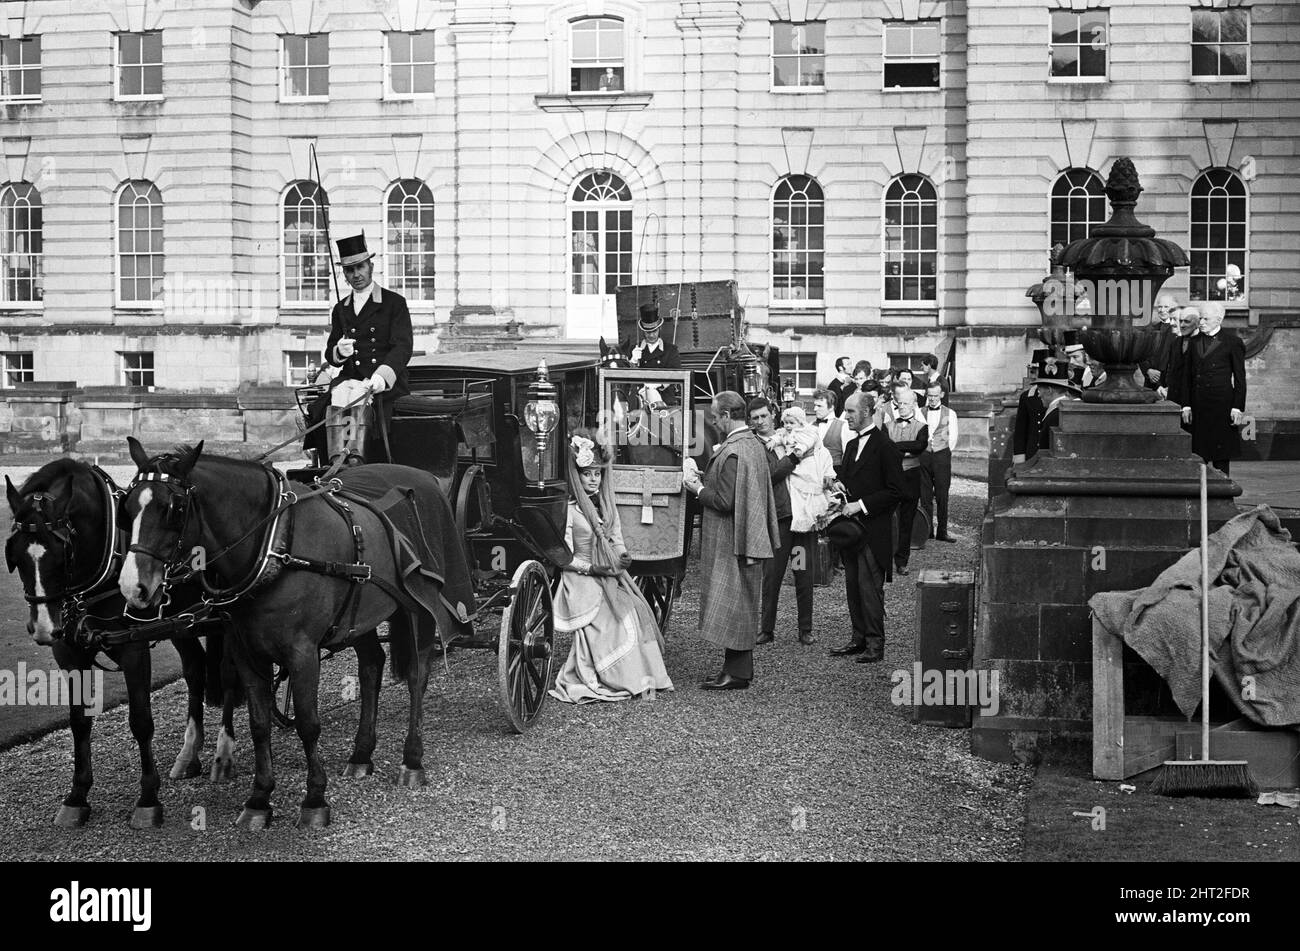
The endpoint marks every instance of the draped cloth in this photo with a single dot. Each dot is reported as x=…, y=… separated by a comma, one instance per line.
x=617, y=650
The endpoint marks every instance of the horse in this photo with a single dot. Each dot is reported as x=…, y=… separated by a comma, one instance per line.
x=64, y=546
x=231, y=510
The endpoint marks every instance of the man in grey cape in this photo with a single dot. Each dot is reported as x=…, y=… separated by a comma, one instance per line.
x=738, y=535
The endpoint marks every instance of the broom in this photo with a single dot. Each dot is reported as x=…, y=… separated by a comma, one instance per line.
x=1205, y=778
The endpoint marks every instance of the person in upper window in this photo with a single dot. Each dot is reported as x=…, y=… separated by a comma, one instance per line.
x=610, y=81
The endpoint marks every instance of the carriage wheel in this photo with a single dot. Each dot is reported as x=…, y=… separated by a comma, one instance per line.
x=526, y=647
x=282, y=699
x=661, y=592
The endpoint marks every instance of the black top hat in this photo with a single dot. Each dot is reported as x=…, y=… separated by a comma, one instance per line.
x=1072, y=341
x=1057, y=372
x=649, y=318
x=353, y=250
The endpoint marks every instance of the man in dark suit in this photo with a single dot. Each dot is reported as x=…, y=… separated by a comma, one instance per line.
x=1214, y=389
x=871, y=479
x=370, y=341
x=653, y=352
x=842, y=386
x=1038, y=412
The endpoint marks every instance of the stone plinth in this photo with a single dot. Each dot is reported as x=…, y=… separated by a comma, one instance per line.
x=1114, y=503
x=40, y=417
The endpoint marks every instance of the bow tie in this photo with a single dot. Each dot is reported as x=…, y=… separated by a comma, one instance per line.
x=821, y=422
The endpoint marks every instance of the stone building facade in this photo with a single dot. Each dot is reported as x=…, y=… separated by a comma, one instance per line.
x=876, y=175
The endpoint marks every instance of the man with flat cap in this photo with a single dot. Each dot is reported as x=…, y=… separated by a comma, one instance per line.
x=653, y=352
x=370, y=342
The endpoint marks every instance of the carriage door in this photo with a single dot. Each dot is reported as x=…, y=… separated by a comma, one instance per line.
x=600, y=253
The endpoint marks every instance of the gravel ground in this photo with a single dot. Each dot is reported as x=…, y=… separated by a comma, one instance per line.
x=812, y=763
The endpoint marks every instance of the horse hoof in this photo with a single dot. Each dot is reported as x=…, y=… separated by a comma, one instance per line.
x=313, y=818
x=411, y=778
x=72, y=817
x=254, y=820
x=147, y=817
x=356, y=770
x=222, y=770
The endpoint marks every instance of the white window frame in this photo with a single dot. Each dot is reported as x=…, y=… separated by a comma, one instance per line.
x=6, y=304
x=390, y=255
x=285, y=95
x=25, y=68
x=1078, y=14
x=801, y=89
x=158, y=303
x=125, y=371
x=118, y=66
x=796, y=370
x=309, y=370
x=885, y=58
x=600, y=207
x=600, y=64
x=792, y=303
x=1060, y=176
x=905, y=303
x=285, y=300
x=27, y=356
x=389, y=93
x=1239, y=305
x=1192, y=44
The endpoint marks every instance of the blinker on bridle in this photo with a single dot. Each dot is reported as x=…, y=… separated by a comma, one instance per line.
x=41, y=522
x=176, y=518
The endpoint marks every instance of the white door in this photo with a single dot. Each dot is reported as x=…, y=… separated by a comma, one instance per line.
x=600, y=254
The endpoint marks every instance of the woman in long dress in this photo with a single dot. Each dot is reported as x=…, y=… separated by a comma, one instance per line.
x=617, y=647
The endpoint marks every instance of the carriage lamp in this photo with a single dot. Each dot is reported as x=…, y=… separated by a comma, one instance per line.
x=787, y=393
x=750, y=377
x=541, y=414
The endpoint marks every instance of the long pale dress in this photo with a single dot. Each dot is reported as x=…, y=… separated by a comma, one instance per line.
x=616, y=652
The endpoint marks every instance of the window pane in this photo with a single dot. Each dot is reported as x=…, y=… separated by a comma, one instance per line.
x=399, y=47
x=401, y=80
x=131, y=81
x=295, y=48
x=1233, y=25
x=1092, y=62
x=1235, y=60
x=318, y=50
x=318, y=81
x=584, y=41
x=1093, y=27
x=128, y=46
x=1065, y=61
x=898, y=40
x=782, y=38
x=785, y=71
x=911, y=75
x=1065, y=27
x=151, y=51
x=422, y=47
x=424, y=78
x=153, y=80
x=1205, y=26
x=925, y=40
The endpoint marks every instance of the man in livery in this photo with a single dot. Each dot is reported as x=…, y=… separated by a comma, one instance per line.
x=1038, y=412
x=370, y=343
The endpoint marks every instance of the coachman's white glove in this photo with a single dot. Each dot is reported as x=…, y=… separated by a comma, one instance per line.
x=377, y=383
x=345, y=348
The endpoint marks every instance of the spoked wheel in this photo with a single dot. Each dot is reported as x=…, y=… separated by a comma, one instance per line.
x=282, y=699
x=526, y=647
x=661, y=592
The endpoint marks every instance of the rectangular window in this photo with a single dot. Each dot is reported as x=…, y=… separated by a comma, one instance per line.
x=18, y=368
x=802, y=369
x=596, y=55
x=908, y=361
x=1221, y=44
x=1078, y=46
x=305, y=67
x=139, y=65
x=912, y=55
x=20, y=69
x=798, y=55
x=410, y=64
x=299, y=367
x=137, y=368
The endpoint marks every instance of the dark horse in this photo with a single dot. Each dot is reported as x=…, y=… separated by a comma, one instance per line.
x=280, y=614
x=63, y=546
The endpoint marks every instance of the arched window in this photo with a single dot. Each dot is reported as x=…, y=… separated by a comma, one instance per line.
x=139, y=245
x=600, y=218
x=596, y=55
x=911, y=240
x=1078, y=205
x=306, y=270
x=409, y=239
x=798, y=239
x=20, y=244
x=1218, y=245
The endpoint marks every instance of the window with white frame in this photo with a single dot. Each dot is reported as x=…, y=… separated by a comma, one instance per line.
x=912, y=54
x=304, y=67
x=19, y=367
x=911, y=247
x=798, y=240
x=801, y=368
x=1079, y=45
x=139, y=245
x=139, y=65
x=304, y=245
x=20, y=69
x=596, y=50
x=136, y=367
x=1078, y=205
x=1218, y=248
x=410, y=64
x=21, y=280
x=600, y=229
x=408, y=239
x=299, y=366
x=1221, y=44
x=798, y=55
